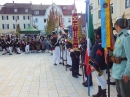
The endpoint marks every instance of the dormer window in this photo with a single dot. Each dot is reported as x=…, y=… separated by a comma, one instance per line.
x=26, y=10
x=15, y=10
x=36, y=12
x=64, y=7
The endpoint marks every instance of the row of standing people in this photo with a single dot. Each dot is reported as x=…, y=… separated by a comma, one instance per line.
x=120, y=59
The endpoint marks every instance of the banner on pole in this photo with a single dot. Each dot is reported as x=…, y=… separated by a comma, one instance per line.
x=106, y=23
x=75, y=31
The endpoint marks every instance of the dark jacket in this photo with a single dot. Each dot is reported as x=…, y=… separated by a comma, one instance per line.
x=97, y=55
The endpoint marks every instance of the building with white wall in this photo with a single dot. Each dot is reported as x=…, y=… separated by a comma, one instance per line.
x=41, y=12
x=26, y=14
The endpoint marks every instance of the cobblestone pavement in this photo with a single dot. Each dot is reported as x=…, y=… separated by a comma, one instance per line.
x=34, y=75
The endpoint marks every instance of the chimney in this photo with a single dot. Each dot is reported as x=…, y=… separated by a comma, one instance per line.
x=13, y=1
x=41, y=3
x=30, y=1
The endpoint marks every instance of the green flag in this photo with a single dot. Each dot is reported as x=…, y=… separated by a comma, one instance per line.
x=90, y=29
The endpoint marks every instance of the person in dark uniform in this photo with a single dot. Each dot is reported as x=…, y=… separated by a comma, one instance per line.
x=17, y=44
x=9, y=45
x=83, y=50
x=97, y=55
x=75, y=56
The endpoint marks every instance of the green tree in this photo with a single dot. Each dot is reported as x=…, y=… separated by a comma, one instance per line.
x=51, y=22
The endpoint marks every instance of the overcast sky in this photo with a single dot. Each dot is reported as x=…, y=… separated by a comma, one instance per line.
x=80, y=4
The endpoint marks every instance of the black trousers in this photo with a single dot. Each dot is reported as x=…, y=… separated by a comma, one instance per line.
x=75, y=68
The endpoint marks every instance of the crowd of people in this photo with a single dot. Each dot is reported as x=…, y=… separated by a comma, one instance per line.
x=27, y=44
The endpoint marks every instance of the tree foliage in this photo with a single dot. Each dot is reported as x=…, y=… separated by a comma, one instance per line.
x=51, y=22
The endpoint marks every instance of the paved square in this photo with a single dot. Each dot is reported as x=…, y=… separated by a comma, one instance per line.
x=34, y=75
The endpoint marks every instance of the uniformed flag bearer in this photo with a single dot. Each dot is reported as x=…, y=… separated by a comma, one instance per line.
x=121, y=58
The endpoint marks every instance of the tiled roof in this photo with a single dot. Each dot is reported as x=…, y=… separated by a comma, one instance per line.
x=67, y=12
x=39, y=7
x=18, y=5
x=9, y=8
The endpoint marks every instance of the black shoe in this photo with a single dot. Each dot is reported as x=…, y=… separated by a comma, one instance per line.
x=3, y=53
x=103, y=93
x=111, y=83
x=75, y=76
x=70, y=69
x=86, y=84
x=55, y=64
x=98, y=93
x=10, y=54
x=79, y=74
x=69, y=65
x=60, y=63
x=118, y=95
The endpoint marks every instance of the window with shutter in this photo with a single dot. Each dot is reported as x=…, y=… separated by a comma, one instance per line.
x=44, y=20
x=17, y=17
x=7, y=26
x=13, y=17
x=99, y=14
x=24, y=17
x=13, y=26
x=7, y=18
x=24, y=26
x=2, y=17
x=28, y=17
x=3, y=26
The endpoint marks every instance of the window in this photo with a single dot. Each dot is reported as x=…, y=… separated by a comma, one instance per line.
x=14, y=26
x=99, y=2
x=36, y=20
x=91, y=6
x=127, y=3
x=15, y=17
x=64, y=7
x=26, y=25
x=69, y=19
x=99, y=14
x=111, y=8
x=4, y=17
x=15, y=10
x=36, y=12
x=5, y=26
x=26, y=10
x=128, y=24
x=26, y=17
x=44, y=20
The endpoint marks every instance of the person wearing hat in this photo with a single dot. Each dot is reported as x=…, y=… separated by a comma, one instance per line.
x=121, y=58
x=83, y=47
x=97, y=55
x=17, y=43
x=56, y=48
